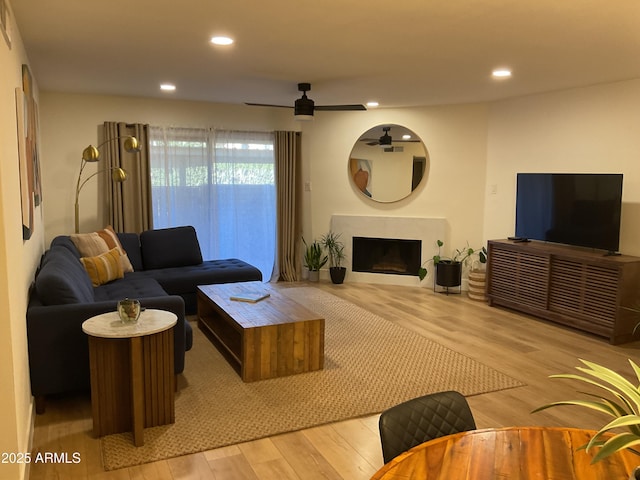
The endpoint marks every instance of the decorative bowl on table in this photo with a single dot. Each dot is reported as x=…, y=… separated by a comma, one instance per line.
x=129, y=310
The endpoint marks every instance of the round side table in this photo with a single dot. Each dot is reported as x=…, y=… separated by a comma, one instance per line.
x=132, y=372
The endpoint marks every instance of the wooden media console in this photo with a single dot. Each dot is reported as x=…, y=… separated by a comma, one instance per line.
x=580, y=288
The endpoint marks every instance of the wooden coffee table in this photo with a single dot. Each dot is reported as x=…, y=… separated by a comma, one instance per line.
x=271, y=338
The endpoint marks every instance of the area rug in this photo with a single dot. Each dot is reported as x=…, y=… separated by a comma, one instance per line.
x=370, y=365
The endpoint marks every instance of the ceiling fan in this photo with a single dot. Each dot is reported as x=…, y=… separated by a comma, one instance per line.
x=386, y=140
x=304, y=107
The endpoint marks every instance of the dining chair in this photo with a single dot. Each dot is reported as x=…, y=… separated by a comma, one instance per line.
x=424, y=418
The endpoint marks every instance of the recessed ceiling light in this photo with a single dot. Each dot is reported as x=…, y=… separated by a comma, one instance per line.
x=220, y=40
x=372, y=104
x=501, y=73
x=406, y=136
x=167, y=87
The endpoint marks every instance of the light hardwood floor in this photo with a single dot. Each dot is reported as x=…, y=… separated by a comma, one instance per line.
x=521, y=346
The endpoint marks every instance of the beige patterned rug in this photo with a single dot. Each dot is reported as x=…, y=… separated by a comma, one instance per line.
x=370, y=365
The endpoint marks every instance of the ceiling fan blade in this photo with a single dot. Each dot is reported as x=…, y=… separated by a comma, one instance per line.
x=335, y=108
x=266, y=105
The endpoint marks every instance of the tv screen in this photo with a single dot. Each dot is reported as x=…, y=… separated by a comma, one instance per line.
x=580, y=209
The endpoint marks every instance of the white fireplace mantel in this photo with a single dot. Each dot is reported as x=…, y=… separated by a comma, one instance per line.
x=429, y=230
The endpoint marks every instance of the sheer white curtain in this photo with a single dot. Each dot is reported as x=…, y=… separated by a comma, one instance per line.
x=222, y=183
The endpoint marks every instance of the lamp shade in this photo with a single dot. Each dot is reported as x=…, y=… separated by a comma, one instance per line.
x=90, y=154
x=118, y=175
x=131, y=144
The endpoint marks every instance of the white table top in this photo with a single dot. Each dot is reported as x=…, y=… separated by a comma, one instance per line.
x=109, y=325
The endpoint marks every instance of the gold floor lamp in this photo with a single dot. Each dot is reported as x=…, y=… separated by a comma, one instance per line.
x=92, y=154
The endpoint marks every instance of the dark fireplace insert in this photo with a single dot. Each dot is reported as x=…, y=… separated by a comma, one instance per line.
x=386, y=255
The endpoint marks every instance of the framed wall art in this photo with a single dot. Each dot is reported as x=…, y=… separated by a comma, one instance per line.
x=5, y=23
x=28, y=152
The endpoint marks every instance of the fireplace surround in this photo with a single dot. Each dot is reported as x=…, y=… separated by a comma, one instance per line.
x=426, y=231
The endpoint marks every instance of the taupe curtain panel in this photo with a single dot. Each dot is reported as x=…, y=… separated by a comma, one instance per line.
x=129, y=202
x=287, y=155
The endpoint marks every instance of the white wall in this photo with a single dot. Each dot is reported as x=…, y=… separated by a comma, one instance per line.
x=18, y=261
x=455, y=138
x=590, y=130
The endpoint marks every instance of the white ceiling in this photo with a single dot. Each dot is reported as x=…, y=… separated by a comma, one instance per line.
x=402, y=53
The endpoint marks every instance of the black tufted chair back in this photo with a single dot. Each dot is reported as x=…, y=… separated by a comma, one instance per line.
x=424, y=418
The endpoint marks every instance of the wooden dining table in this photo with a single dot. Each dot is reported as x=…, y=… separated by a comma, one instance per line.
x=524, y=453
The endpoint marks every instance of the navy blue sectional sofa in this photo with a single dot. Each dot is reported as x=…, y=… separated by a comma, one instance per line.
x=167, y=265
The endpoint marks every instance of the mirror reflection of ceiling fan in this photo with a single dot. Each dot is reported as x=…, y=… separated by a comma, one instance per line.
x=304, y=107
x=386, y=140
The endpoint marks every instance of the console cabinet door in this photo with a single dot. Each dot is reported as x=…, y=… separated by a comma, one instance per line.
x=586, y=292
x=518, y=277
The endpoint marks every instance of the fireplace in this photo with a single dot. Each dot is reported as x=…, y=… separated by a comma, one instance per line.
x=386, y=255
x=426, y=231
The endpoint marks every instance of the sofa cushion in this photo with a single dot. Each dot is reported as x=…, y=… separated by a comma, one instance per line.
x=62, y=279
x=131, y=244
x=180, y=280
x=170, y=247
x=131, y=286
x=103, y=268
x=96, y=243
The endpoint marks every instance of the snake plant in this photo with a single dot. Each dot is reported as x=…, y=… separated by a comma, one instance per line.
x=623, y=405
x=314, y=258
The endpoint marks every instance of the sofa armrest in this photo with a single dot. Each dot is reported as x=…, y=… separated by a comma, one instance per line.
x=59, y=350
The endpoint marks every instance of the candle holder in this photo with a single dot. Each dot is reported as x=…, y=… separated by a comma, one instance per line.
x=129, y=310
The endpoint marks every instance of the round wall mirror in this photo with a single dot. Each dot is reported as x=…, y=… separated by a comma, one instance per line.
x=387, y=163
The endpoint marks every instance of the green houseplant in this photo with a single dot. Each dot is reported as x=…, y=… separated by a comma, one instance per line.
x=623, y=405
x=314, y=258
x=458, y=258
x=335, y=248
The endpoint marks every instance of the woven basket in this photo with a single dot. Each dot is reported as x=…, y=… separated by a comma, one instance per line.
x=477, y=282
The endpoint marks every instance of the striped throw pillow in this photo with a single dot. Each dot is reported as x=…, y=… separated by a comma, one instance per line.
x=103, y=268
x=96, y=243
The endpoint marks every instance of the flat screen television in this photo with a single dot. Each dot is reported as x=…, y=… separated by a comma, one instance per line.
x=581, y=209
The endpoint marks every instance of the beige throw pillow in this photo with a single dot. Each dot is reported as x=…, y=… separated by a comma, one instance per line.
x=89, y=244
x=96, y=243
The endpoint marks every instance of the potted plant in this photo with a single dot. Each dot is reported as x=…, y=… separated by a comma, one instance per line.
x=335, y=248
x=314, y=259
x=449, y=269
x=478, y=276
x=623, y=406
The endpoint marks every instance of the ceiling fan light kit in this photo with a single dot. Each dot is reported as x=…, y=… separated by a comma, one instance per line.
x=304, y=107
x=385, y=140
